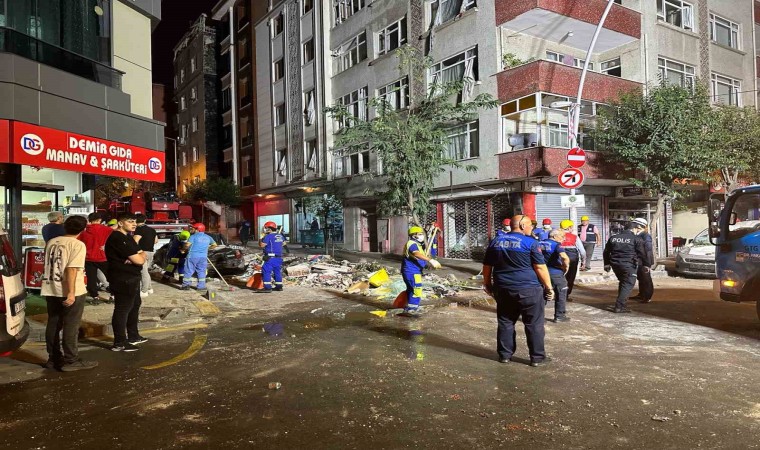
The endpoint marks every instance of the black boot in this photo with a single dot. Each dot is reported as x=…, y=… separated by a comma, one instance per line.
x=262, y=291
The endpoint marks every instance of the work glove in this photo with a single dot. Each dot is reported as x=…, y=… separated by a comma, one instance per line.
x=607, y=268
x=548, y=294
x=435, y=264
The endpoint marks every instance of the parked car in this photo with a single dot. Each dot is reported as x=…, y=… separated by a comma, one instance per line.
x=228, y=259
x=14, y=329
x=697, y=257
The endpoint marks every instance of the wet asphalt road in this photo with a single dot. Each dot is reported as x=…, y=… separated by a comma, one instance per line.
x=350, y=379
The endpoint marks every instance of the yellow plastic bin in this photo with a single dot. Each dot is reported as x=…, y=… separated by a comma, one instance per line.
x=378, y=278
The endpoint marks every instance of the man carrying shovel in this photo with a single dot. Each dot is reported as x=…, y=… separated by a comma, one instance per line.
x=415, y=260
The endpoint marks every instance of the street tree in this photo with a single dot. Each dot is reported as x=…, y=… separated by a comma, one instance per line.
x=411, y=143
x=663, y=136
x=736, y=139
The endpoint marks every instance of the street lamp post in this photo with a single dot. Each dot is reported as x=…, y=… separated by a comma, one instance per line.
x=176, y=172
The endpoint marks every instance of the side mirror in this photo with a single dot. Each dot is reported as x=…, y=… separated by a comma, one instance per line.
x=732, y=219
x=689, y=241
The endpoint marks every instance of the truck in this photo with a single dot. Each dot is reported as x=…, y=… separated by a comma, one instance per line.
x=165, y=213
x=734, y=229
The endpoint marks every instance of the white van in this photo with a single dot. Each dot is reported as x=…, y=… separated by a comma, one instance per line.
x=14, y=329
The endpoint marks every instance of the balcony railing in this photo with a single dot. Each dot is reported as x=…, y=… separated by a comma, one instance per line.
x=11, y=41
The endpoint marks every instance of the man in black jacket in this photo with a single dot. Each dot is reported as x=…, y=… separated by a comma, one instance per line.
x=644, y=272
x=622, y=254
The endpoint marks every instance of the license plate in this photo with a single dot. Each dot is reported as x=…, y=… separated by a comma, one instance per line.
x=18, y=307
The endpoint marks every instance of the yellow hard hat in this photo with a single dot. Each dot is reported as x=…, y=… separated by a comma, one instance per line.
x=566, y=224
x=584, y=218
x=415, y=230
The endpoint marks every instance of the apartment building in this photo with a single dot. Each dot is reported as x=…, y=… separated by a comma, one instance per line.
x=196, y=91
x=77, y=103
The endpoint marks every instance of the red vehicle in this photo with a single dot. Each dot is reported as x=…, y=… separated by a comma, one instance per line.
x=165, y=213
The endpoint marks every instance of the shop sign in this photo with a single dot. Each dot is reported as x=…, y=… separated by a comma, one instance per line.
x=46, y=147
x=568, y=201
x=634, y=192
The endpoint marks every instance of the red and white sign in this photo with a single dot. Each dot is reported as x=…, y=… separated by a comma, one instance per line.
x=34, y=267
x=46, y=147
x=576, y=158
x=571, y=178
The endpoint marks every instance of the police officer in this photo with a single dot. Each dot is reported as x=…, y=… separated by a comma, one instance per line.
x=272, y=242
x=176, y=257
x=644, y=272
x=196, y=261
x=622, y=254
x=415, y=260
x=575, y=251
x=558, y=264
x=515, y=274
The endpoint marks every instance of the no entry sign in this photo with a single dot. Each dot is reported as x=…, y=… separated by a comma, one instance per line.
x=576, y=158
x=570, y=178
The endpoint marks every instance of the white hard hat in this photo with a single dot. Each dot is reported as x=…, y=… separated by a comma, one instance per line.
x=640, y=221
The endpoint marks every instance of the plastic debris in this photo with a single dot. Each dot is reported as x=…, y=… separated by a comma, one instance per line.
x=275, y=385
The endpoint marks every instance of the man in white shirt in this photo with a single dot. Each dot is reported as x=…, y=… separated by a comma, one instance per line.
x=64, y=289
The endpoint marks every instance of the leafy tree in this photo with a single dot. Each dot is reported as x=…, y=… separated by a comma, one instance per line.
x=196, y=191
x=224, y=191
x=411, y=143
x=736, y=140
x=663, y=136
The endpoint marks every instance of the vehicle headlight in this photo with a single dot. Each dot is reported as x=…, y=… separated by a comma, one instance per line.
x=685, y=251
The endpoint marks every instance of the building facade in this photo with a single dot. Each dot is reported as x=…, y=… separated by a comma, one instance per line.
x=76, y=88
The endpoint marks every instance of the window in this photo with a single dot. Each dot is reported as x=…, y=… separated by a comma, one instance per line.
x=612, y=67
x=278, y=25
x=279, y=69
x=441, y=11
x=310, y=109
x=558, y=134
x=391, y=38
x=181, y=75
x=352, y=52
x=676, y=12
x=193, y=94
x=396, y=94
x=356, y=104
x=194, y=122
x=226, y=99
x=312, y=157
x=462, y=142
x=182, y=134
x=175, y=81
x=343, y=9
x=308, y=51
x=567, y=60
x=456, y=68
x=182, y=103
x=197, y=179
x=279, y=115
x=726, y=90
x=306, y=6
x=281, y=160
x=196, y=156
x=192, y=65
x=724, y=32
x=676, y=73
x=184, y=158
x=351, y=161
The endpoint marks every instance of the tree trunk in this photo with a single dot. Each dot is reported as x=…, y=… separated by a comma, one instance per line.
x=410, y=202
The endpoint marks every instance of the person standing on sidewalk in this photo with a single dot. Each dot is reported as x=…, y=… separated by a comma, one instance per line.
x=94, y=238
x=415, y=260
x=644, y=272
x=146, y=237
x=273, y=243
x=515, y=274
x=65, y=293
x=54, y=228
x=575, y=251
x=125, y=261
x=196, y=261
x=558, y=264
x=622, y=254
x=589, y=236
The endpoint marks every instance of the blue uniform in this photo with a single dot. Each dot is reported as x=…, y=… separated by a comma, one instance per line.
x=197, y=258
x=518, y=292
x=552, y=251
x=274, y=243
x=411, y=272
x=176, y=258
x=542, y=234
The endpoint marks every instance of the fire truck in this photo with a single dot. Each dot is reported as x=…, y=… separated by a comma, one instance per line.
x=165, y=213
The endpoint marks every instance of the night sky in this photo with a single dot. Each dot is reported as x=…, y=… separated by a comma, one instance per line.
x=177, y=15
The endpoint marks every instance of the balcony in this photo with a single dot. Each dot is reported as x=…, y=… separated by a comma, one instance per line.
x=547, y=162
x=548, y=76
x=11, y=41
x=553, y=19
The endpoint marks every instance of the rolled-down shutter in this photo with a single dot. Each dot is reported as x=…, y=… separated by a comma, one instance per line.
x=550, y=205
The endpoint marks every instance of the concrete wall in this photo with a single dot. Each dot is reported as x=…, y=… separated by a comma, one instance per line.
x=132, y=55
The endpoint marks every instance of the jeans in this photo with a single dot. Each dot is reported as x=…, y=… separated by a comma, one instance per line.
x=589, y=247
x=511, y=304
x=571, y=273
x=126, y=311
x=91, y=269
x=145, y=274
x=559, y=283
x=626, y=276
x=66, y=319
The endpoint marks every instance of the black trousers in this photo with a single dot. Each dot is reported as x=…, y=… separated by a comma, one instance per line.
x=559, y=283
x=570, y=275
x=511, y=304
x=646, y=286
x=91, y=270
x=66, y=319
x=126, y=311
x=626, y=276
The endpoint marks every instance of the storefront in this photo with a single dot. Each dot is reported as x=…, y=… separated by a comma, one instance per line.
x=42, y=171
x=634, y=202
